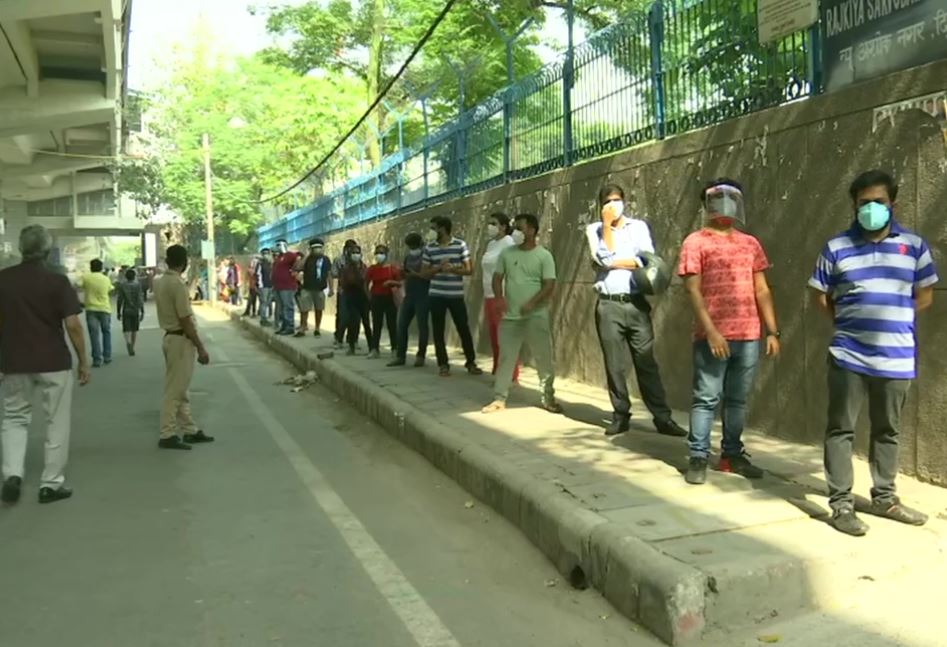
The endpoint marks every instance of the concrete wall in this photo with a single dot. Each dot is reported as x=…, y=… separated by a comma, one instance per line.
x=796, y=163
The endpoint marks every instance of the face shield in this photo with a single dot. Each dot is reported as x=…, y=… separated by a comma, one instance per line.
x=725, y=203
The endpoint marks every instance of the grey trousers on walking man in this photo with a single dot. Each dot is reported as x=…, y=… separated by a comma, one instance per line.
x=886, y=397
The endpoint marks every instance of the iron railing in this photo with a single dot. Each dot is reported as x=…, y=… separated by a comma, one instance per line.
x=682, y=65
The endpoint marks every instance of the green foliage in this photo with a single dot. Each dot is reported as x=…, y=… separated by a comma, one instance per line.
x=267, y=127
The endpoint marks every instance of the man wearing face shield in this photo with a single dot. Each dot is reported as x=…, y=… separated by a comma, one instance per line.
x=316, y=273
x=623, y=314
x=871, y=280
x=285, y=284
x=724, y=273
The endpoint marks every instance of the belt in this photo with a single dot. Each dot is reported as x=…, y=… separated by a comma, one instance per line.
x=620, y=298
x=177, y=333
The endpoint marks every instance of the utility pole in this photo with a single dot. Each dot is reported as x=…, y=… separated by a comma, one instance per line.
x=209, y=209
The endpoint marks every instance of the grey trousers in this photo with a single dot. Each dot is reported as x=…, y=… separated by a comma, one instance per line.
x=886, y=397
x=625, y=328
x=536, y=332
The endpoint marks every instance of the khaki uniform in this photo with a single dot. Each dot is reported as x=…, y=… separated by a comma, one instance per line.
x=173, y=303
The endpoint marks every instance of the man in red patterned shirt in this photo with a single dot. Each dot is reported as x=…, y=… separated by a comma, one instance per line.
x=723, y=270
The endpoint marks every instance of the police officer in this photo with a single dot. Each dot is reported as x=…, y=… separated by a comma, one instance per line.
x=182, y=345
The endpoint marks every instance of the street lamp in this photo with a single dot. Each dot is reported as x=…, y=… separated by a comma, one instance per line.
x=208, y=250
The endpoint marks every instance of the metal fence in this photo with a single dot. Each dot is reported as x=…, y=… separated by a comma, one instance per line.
x=681, y=65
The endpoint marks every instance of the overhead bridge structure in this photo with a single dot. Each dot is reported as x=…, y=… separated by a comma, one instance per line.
x=63, y=99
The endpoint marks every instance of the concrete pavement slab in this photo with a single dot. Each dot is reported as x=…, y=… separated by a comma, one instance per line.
x=677, y=558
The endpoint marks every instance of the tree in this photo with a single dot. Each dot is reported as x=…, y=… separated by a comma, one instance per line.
x=369, y=38
x=267, y=127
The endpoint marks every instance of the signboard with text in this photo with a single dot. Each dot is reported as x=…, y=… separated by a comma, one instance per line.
x=207, y=250
x=863, y=39
x=779, y=18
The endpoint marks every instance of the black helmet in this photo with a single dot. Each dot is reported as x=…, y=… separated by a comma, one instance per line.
x=654, y=277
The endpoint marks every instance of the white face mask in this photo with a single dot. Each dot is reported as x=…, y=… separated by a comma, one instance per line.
x=414, y=252
x=380, y=258
x=430, y=236
x=282, y=248
x=492, y=230
x=518, y=237
x=617, y=206
x=356, y=258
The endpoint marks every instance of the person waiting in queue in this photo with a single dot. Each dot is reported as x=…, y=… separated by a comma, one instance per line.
x=623, y=314
x=415, y=305
x=499, y=232
x=446, y=263
x=382, y=278
x=354, y=297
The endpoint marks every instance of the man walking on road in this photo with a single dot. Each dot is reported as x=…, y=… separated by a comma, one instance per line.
x=130, y=309
x=446, y=263
x=98, y=312
x=523, y=282
x=872, y=280
x=724, y=273
x=623, y=314
x=181, y=346
x=285, y=284
x=35, y=302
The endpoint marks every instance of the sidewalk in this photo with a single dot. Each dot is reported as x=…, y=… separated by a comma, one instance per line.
x=615, y=514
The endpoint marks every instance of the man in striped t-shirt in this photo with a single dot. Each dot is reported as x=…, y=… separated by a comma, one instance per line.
x=446, y=261
x=872, y=280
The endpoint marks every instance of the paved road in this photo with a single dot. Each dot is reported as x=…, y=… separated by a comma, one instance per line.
x=303, y=525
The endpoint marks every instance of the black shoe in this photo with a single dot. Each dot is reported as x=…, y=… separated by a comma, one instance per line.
x=11, y=490
x=473, y=369
x=846, y=521
x=49, y=495
x=899, y=512
x=199, y=437
x=397, y=362
x=419, y=362
x=316, y=333
x=174, y=442
x=696, y=471
x=618, y=426
x=670, y=428
x=741, y=465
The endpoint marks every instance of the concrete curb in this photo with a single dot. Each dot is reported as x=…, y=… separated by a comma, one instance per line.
x=665, y=595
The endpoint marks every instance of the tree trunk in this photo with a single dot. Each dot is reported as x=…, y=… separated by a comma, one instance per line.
x=375, y=70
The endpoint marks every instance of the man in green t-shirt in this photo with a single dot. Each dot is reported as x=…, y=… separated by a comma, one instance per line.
x=523, y=282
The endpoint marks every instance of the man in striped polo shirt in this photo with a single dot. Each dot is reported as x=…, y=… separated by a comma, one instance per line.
x=446, y=262
x=872, y=280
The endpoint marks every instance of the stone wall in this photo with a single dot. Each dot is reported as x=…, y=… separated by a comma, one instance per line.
x=796, y=163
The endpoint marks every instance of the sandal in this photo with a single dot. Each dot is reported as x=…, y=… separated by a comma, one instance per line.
x=493, y=407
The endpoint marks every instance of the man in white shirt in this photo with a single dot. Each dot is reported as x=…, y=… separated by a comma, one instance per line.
x=623, y=314
x=498, y=229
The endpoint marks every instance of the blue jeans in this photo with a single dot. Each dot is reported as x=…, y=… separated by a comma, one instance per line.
x=287, y=303
x=729, y=378
x=100, y=334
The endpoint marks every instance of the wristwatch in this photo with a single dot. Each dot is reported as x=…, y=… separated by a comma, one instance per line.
x=774, y=333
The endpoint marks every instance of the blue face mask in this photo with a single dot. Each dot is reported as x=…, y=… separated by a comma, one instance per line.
x=873, y=216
